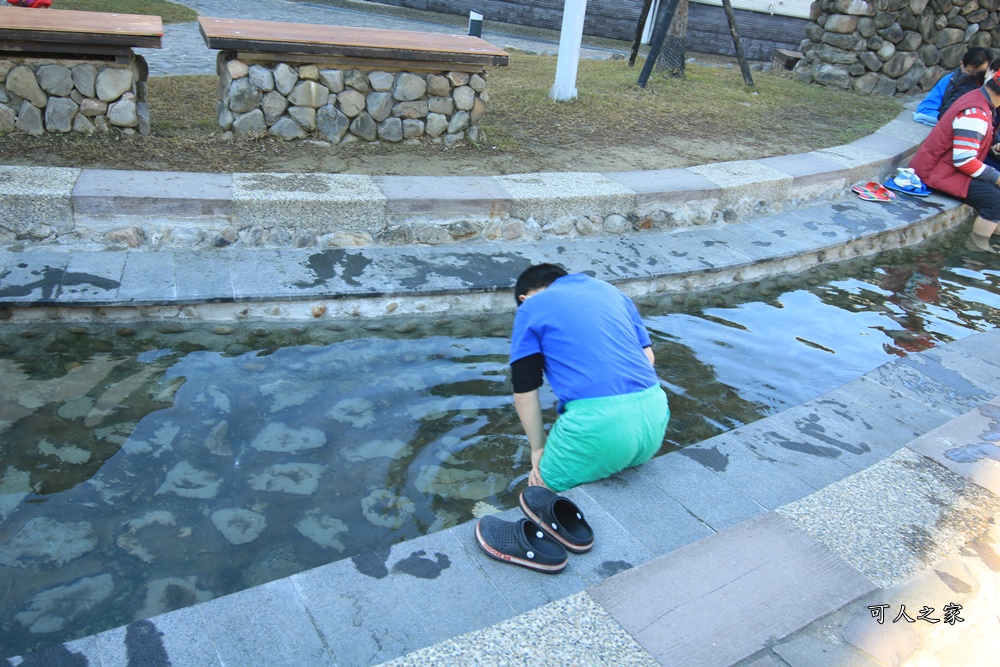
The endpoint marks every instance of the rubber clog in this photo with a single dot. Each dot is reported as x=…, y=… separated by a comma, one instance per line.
x=559, y=517
x=520, y=542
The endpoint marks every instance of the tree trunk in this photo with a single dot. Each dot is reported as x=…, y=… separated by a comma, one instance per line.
x=671, y=60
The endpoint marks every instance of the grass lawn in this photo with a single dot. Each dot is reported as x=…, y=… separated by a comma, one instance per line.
x=168, y=11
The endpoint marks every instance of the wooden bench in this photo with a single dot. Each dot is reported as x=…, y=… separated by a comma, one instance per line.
x=340, y=46
x=60, y=33
x=349, y=84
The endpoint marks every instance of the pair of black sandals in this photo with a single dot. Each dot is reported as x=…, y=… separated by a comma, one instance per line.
x=553, y=526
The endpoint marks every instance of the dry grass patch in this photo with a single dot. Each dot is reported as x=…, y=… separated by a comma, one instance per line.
x=708, y=116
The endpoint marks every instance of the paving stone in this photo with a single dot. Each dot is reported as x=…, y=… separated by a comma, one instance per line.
x=703, y=492
x=93, y=277
x=400, y=599
x=866, y=391
x=815, y=466
x=967, y=373
x=796, y=227
x=927, y=382
x=808, y=169
x=267, y=624
x=766, y=482
x=805, y=651
x=664, y=189
x=34, y=279
x=853, y=434
x=690, y=248
x=968, y=446
x=443, y=197
x=896, y=517
x=668, y=527
x=37, y=196
x=572, y=631
x=550, y=196
x=325, y=202
x=724, y=598
x=382, y=624
x=853, y=220
x=202, y=277
x=179, y=638
x=861, y=162
x=745, y=182
x=148, y=278
x=153, y=193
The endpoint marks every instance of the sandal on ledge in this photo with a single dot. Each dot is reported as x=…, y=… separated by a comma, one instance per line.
x=522, y=543
x=559, y=517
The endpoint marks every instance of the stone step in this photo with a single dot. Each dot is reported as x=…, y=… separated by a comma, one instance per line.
x=472, y=277
x=106, y=209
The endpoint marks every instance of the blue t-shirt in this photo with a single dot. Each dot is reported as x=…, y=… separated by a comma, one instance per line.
x=591, y=337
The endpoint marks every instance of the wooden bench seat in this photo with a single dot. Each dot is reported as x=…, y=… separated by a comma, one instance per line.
x=344, y=46
x=64, y=33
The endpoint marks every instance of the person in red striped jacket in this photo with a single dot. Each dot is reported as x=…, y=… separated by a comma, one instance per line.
x=36, y=4
x=951, y=158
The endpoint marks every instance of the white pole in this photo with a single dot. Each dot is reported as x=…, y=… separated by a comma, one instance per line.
x=568, y=62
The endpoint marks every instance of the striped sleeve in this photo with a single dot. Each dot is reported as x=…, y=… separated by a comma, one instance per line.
x=969, y=131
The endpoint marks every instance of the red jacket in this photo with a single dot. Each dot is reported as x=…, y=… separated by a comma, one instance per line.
x=933, y=161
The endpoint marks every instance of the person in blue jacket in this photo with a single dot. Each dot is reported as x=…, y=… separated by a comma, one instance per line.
x=975, y=60
x=587, y=339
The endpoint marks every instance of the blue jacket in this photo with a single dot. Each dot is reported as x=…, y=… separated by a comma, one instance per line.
x=931, y=104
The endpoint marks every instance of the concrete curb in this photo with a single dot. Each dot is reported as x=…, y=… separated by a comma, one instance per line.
x=107, y=209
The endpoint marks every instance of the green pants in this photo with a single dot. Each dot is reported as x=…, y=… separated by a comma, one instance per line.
x=596, y=437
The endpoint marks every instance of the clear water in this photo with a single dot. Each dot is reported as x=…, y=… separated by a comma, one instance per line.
x=147, y=467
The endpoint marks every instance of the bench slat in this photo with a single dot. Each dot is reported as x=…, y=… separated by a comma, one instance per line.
x=28, y=48
x=92, y=23
x=271, y=36
x=345, y=62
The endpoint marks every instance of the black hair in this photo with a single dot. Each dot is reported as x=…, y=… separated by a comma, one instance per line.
x=536, y=277
x=992, y=84
x=976, y=57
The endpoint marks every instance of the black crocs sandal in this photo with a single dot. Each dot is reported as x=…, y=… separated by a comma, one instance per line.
x=559, y=517
x=520, y=542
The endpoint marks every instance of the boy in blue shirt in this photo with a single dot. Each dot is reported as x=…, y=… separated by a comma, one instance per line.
x=588, y=339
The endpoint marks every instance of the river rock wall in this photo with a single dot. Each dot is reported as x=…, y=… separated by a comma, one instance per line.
x=40, y=95
x=296, y=101
x=887, y=47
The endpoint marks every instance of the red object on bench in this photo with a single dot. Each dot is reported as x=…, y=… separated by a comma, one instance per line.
x=34, y=4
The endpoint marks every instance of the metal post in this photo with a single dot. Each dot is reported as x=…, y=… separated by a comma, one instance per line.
x=640, y=30
x=568, y=61
x=475, y=24
x=742, y=59
x=659, y=35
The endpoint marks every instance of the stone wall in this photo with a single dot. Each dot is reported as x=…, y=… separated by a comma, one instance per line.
x=295, y=101
x=887, y=47
x=39, y=95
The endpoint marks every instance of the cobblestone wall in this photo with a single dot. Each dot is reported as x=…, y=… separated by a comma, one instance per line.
x=295, y=101
x=40, y=95
x=893, y=46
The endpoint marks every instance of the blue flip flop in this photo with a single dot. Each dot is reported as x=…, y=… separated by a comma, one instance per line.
x=922, y=191
x=559, y=517
x=520, y=542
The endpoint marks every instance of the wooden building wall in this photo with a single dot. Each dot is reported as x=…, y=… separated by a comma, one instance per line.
x=708, y=31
